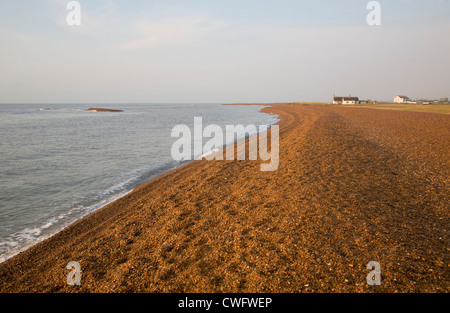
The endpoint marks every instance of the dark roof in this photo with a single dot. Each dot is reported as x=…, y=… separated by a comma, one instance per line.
x=346, y=99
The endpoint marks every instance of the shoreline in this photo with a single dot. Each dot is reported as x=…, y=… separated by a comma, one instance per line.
x=226, y=220
x=158, y=172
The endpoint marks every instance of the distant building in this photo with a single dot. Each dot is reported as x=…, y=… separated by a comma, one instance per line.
x=402, y=99
x=345, y=100
x=443, y=100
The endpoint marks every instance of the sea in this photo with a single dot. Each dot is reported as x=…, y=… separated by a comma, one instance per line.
x=60, y=162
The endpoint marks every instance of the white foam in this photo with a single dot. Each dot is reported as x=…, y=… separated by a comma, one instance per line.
x=215, y=150
x=50, y=223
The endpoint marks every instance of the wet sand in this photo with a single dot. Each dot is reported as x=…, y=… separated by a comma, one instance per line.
x=354, y=185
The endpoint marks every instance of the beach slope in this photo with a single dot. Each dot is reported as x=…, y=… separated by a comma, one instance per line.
x=354, y=185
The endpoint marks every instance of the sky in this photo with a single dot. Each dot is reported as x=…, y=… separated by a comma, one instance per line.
x=222, y=51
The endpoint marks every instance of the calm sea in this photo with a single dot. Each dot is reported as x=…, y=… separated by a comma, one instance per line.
x=59, y=163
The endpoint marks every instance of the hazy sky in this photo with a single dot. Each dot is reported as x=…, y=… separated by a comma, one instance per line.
x=222, y=51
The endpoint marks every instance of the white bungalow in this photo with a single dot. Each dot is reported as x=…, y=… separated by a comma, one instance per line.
x=402, y=99
x=345, y=100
